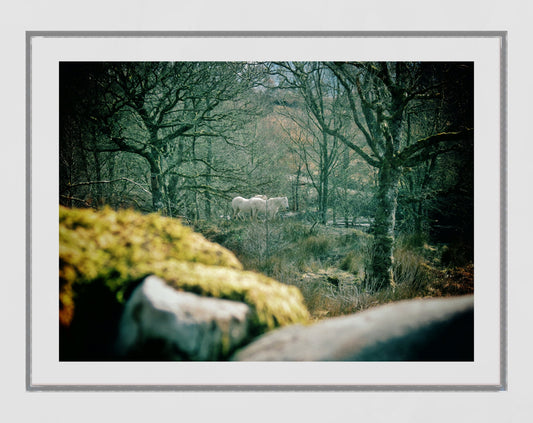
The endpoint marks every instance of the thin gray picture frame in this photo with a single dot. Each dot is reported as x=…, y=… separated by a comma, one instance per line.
x=501, y=35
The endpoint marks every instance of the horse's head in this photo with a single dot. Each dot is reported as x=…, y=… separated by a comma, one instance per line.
x=285, y=203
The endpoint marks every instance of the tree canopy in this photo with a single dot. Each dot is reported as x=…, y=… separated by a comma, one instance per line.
x=391, y=141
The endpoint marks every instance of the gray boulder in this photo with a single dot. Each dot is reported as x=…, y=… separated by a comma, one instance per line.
x=161, y=323
x=414, y=330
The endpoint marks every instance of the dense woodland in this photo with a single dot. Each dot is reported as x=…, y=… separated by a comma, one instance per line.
x=387, y=144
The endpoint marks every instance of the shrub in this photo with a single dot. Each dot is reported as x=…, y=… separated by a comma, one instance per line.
x=316, y=245
x=295, y=231
x=456, y=255
x=414, y=241
x=352, y=262
x=456, y=281
x=410, y=270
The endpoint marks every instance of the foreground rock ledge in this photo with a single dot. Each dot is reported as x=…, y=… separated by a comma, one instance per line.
x=416, y=330
x=160, y=323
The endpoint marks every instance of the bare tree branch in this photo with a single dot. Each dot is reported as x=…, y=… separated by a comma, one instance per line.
x=77, y=184
x=433, y=141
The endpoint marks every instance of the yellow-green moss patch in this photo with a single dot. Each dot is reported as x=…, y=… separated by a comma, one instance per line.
x=116, y=249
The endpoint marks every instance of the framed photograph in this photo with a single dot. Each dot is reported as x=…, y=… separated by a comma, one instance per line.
x=355, y=180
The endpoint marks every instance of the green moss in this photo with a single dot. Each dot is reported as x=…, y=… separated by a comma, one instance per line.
x=116, y=249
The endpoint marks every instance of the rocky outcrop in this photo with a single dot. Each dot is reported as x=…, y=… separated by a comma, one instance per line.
x=415, y=330
x=160, y=323
x=104, y=256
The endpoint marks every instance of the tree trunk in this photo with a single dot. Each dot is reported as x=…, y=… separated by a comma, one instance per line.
x=157, y=184
x=379, y=274
x=345, y=166
x=174, y=180
x=296, y=203
x=325, y=195
x=209, y=159
x=323, y=183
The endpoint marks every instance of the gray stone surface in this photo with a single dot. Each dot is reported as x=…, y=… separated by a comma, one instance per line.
x=161, y=323
x=415, y=330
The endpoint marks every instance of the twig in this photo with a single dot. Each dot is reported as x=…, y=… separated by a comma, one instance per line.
x=66, y=197
x=108, y=182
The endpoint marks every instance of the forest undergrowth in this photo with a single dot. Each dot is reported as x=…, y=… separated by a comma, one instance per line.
x=327, y=263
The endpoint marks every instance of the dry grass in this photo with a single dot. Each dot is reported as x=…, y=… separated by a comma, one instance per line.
x=328, y=266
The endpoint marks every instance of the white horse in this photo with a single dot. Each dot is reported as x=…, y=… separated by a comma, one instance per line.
x=241, y=204
x=270, y=207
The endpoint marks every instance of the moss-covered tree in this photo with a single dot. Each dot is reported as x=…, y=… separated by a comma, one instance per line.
x=377, y=100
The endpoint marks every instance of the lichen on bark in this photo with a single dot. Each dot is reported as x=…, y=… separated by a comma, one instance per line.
x=379, y=273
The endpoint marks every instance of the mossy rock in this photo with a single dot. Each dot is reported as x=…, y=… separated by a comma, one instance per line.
x=106, y=253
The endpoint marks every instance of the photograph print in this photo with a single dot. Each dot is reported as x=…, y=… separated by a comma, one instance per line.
x=266, y=211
